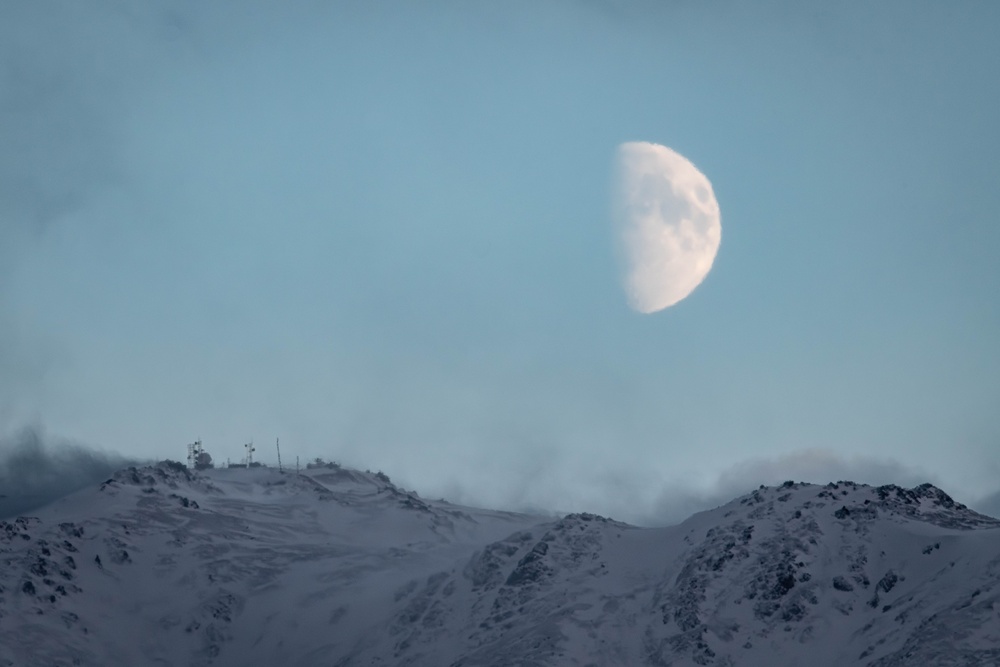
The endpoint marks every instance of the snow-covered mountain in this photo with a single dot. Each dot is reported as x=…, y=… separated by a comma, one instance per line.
x=163, y=566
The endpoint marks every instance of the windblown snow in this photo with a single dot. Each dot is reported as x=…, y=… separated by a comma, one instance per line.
x=164, y=566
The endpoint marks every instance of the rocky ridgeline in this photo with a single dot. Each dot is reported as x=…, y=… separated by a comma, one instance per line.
x=153, y=478
x=772, y=551
x=862, y=503
x=166, y=477
x=843, y=573
x=929, y=503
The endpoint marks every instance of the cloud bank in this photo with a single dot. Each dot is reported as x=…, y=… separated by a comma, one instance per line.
x=816, y=466
x=34, y=471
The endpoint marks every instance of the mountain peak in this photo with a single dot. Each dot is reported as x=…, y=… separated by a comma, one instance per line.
x=924, y=502
x=164, y=565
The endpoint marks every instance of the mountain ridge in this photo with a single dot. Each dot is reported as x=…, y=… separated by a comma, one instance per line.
x=335, y=566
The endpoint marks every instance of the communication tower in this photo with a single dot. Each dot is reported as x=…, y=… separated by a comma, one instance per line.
x=194, y=449
x=198, y=458
x=250, y=450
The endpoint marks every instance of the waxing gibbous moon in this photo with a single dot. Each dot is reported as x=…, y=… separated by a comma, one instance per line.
x=667, y=225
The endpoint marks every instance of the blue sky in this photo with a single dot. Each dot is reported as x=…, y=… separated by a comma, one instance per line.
x=382, y=234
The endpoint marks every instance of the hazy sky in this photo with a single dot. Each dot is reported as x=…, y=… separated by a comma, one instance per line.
x=381, y=232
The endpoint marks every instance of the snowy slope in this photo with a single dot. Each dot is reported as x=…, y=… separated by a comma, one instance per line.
x=161, y=566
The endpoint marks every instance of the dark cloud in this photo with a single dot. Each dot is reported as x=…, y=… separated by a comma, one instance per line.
x=34, y=471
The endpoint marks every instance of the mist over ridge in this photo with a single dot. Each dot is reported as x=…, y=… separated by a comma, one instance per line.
x=36, y=469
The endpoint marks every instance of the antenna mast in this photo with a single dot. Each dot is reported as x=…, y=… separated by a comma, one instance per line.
x=277, y=443
x=250, y=450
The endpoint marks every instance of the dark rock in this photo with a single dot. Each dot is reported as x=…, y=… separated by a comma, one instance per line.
x=842, y=584
x=531, y=567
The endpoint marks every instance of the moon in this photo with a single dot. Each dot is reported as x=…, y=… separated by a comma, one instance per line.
x=667, y=225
